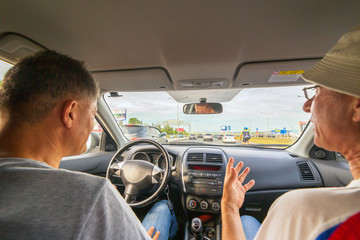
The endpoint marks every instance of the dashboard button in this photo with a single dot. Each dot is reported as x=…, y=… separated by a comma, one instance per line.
x=204, y=204
x=215, y=206
x=202, y=190
x=192, y=204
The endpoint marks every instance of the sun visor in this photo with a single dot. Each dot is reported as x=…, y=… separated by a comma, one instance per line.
x=153, y=79
x=13, y=47
x=266, y=74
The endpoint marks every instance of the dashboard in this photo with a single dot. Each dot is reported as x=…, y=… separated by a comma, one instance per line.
x=197, y=176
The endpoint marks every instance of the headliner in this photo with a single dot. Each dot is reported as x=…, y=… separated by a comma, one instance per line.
x=187, y=39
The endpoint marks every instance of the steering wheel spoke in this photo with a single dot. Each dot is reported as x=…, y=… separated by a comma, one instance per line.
x=129, y=198
x=157, y=175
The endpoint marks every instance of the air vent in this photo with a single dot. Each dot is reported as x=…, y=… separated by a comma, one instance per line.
x=214, y=158
x=195, y=157
x=305, y=172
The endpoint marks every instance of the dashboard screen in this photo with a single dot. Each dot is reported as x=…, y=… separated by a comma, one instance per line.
x=204, y=168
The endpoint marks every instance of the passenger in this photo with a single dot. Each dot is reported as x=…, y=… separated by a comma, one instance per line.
x=48, y=104
x=312, y=213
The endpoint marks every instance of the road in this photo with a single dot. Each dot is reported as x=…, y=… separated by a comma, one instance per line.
x=215, y=141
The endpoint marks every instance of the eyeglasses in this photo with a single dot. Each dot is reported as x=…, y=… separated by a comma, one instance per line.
x=310, y=92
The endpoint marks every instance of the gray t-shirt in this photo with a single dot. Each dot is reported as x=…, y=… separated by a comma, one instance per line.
x=40, y=202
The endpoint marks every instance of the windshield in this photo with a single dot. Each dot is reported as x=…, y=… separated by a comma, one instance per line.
x=262, y=117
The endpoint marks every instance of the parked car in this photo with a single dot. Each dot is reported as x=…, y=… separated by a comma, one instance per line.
x=200, y=135
x=229, y=138
x=208, y=137
x=220, y=137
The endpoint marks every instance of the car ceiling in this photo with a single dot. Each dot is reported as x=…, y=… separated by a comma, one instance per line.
x=160, y=43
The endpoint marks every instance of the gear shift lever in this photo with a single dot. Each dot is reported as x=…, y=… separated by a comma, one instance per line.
x=197, y=228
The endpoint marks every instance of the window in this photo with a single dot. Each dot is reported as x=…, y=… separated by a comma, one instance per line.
x=273, y=117
x=4, y=67
x=93, y=142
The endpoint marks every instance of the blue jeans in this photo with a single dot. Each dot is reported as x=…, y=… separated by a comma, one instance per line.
x=162, y=219
x=250, y=226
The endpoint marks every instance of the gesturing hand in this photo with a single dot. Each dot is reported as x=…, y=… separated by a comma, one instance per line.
x=234, y=190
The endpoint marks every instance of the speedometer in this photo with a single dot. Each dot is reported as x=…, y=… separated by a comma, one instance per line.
x=141, y=156
x=161, y=162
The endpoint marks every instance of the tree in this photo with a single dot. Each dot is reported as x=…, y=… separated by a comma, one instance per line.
x=134, y=121
x=168, y=129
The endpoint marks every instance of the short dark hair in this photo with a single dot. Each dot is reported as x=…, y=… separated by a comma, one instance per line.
x=32, y=88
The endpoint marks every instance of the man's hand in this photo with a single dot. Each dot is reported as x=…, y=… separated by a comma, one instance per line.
x=233, y=199
x=234, y=190
x=151, y=231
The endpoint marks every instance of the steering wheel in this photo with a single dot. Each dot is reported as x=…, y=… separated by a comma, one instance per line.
x=139, y=176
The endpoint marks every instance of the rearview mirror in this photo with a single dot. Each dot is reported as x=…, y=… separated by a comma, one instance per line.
x=203, y=108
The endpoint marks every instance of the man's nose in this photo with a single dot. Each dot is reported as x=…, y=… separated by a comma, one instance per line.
x=307, y=105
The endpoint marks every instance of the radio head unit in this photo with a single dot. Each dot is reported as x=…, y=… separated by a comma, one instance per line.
x=203, y=171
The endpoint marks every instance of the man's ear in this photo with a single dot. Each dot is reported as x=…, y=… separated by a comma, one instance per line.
x=69, y=112
x=356, y=117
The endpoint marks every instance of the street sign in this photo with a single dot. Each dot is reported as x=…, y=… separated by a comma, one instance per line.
x=120, y=114
x=225, y=128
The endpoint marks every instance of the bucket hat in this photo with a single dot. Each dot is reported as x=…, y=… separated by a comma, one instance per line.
x=339, y=70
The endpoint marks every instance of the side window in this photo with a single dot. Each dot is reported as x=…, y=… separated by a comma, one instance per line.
x=4, y=67
x=146, y=131
x=154, y=132
x=93, y=142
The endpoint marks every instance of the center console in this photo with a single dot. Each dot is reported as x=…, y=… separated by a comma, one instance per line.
x=203, y=171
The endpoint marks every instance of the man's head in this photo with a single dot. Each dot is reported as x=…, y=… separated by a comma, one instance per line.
x=203, y=108
x=54, y=94
x=33, y=87
x=335, y=108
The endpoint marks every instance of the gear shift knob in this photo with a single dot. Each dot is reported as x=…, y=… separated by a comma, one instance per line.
x=197, y=228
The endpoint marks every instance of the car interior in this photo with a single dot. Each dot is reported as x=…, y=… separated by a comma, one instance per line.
x=193, y=52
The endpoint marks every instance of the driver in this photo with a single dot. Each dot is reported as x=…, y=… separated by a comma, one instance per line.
x=48, y=104
x=204, y=108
